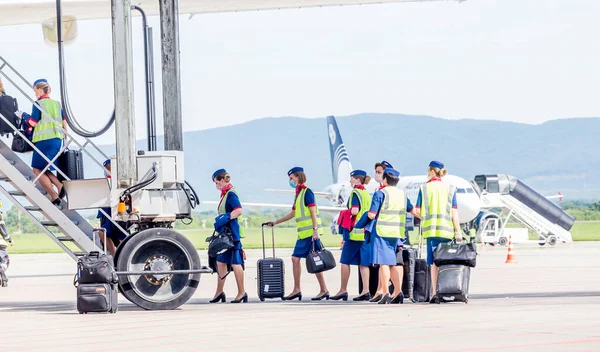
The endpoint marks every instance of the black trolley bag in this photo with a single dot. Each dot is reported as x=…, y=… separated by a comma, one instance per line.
x=71, y=163
x=422, y=282
x=96, y=282
x=270, y=272
x=409, y=256
x=455, y=262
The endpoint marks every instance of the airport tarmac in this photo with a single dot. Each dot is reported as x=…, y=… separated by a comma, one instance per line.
x=549, y=300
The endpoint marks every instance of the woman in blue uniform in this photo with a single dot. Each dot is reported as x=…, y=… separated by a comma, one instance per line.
x=355, y=252
x=47, y=137
x=230, y=209
x=385, y=221
x=308, y=227
x=113, y=235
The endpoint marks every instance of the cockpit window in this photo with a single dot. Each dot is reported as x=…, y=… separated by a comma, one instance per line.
x=470, y=190
x=461, y=190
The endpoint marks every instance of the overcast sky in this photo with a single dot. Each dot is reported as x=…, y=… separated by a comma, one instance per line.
x=514, y=60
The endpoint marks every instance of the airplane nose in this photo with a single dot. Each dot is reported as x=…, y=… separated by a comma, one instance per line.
x=468, y=207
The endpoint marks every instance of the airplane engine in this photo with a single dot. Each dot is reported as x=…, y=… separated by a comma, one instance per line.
x=69, y=31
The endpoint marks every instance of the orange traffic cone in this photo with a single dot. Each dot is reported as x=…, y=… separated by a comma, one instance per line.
x=510, y=258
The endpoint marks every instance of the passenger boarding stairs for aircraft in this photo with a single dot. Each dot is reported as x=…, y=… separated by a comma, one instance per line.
x=20, y=185
x=502, y=197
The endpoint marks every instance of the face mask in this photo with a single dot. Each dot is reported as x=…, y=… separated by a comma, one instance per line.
x=378, y=178
x=218, y=187
x=292, y=184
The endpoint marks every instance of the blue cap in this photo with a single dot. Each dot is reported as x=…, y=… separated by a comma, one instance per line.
x=387, y=165
x=41, y=80
x=106, y=162
x=220, y=171
x=295, y=169
x=358, y=173
x=437, y=164
x=392, y=172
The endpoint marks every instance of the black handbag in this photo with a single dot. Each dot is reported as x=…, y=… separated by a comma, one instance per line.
x=220, y=243
x=19, y=144
x=454, y=253
x=320, y=260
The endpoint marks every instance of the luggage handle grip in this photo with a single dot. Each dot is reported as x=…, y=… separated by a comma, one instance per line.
x=263, y=239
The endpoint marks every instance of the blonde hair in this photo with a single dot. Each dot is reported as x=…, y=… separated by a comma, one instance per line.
x=223, y=176
x=2, y=91
x=44, y=86
x=438, y=172
x=301, y=177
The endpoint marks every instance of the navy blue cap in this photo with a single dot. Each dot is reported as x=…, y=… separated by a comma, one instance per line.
x=41, y=80
x=220, y=171
x=387, y=165
x=391, y=172
x=358, y=173
x=437, y=164
x=106, y=162
x=295, y=169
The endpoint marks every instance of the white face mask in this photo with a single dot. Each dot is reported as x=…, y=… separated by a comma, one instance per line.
x=218, y=187
x=378, y=178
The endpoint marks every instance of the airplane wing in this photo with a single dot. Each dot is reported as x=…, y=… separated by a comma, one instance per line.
x=285, y=191
x=13, y=12
x=278, y=206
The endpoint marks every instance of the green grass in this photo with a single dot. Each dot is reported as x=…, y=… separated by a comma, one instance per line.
x=284, y=238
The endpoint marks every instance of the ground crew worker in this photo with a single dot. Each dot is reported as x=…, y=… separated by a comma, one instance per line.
x=386, y=221
x=437, y=208
x=229, y=210
x=355, y=252
x=308, y=227
x=4, y=259
x=47, y=137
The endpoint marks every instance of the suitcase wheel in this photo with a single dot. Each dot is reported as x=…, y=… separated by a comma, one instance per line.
x=262, y=299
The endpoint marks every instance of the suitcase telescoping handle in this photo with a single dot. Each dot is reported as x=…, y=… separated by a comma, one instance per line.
x=272, y=239
x=94, y=232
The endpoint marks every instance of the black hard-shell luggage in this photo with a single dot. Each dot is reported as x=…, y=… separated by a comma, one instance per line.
x=8, y=107
x=408, y=280
x=71, y=163
x=97, y=298
x=422, y=283
x=271, y=273
x=453, y=283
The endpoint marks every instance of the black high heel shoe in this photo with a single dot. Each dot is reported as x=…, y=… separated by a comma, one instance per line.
x=221, y=297
x=318, y=298
x=244, y=299
x=365, y=297
x=289, y=298
x=376, y=298
x=398, y=299
x=385, y=299
x=343, y=296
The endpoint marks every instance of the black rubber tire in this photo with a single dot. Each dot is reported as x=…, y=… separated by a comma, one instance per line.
x=503, y=241
x=137, y=289
x=552, y=240
x=541, y=241
x=120, y=248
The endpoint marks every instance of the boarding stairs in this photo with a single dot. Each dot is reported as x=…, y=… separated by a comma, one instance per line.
x=19, y=184
x=527, y=216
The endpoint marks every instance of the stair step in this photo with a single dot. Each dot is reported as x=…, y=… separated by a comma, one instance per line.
x=80, y=254
x=52, y=223
x=32, y=208
x=17, y=193
x=65, y=239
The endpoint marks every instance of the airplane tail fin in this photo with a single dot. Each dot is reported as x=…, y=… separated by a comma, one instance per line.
x=340, y=162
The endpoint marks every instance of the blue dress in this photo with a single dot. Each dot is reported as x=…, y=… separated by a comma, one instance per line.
x=354, y=252
x=234, y=256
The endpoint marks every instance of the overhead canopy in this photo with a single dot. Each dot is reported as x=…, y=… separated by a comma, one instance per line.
x=14, y=12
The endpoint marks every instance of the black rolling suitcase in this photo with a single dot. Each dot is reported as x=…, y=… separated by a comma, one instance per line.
x=422, y=283
x=96, y=281
x=97, y=298
x=271, y=273
x=453, y=283
x=71, y=163
x=373, y=280
x=409, y=256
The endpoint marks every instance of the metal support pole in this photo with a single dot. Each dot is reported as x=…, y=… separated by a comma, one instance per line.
x=149, y=72
x=169, y=25
x=123, y=78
